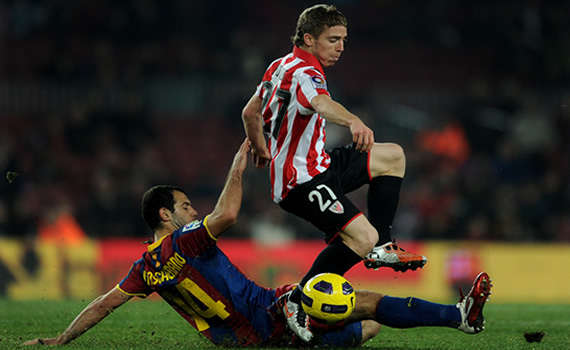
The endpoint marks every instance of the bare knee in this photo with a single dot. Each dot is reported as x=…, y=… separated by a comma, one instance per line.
x=370, y=329
x=366, y=304
x=395, y=159
x=387, y=159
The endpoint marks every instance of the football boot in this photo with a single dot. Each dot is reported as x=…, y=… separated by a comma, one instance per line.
x=471, y=305
x=393, y=256
x=297, y=319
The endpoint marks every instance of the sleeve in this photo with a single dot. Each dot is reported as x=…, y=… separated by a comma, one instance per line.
x=311, y=84
x=195, y=238
x=133, y=284
x=260, y=90
x=263, y=85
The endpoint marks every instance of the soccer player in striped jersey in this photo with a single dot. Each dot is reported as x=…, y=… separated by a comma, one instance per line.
x=186, y=268
x=291, y=106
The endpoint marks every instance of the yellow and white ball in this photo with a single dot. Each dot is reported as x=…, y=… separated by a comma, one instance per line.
x=328, y=298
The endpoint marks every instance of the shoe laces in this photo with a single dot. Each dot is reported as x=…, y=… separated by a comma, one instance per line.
x=394, y=247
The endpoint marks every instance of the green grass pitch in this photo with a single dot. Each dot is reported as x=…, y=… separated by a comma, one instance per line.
x=154, y=325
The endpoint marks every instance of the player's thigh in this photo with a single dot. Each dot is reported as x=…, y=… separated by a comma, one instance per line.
x=322, y=203
x=387, y=159
x=360, y=235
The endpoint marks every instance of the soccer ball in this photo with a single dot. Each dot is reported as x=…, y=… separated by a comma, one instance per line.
x=328, y=298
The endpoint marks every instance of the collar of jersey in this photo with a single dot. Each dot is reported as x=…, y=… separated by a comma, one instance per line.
x=153, y=246
x=309, y=58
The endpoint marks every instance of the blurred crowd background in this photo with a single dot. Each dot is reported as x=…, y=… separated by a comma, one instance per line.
x=100, y=100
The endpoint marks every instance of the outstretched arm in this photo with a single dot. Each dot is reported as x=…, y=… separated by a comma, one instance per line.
x=96, y=311
x=227, y=209
x=334, y=112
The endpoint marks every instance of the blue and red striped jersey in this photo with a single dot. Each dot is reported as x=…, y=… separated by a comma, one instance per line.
x=197, y=279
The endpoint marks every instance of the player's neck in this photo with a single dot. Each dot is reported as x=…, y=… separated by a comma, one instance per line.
x=163, y=231
x=306, y=49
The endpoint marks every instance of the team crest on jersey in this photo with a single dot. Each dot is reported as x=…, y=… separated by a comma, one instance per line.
x=337, y=207
x=318, y=82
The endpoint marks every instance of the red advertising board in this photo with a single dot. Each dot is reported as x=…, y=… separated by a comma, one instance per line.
x=269, y=266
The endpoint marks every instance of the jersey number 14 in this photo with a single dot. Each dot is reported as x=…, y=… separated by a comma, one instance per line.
x=187, y=291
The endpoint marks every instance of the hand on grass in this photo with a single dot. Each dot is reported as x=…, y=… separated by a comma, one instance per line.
x=42, y=341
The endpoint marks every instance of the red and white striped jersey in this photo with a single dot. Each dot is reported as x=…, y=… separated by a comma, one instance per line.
x=296, y=133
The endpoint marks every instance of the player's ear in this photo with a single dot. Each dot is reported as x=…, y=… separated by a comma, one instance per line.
x=308, y=39
x=165, y=214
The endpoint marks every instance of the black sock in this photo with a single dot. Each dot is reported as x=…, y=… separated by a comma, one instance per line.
x=383, y=197
x=336, y=258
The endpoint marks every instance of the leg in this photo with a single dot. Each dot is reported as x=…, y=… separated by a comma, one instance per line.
x=369, y=330
x=366, y=303
x=338, y=257
x=466, y=316
x=387, y=159
x=323, y=203
x=357, y=240
x=352, y=334
x=387, y=166
x=383, y=168
x=404, y=312
x=359, y=235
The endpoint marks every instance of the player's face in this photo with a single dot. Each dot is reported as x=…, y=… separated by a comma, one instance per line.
x=330, y=44
x=183, y=211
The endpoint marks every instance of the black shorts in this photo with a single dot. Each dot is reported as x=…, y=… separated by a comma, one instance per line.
x=322, y=201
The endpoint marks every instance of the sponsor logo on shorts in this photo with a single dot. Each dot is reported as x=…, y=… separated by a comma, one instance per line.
x=337, y=208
